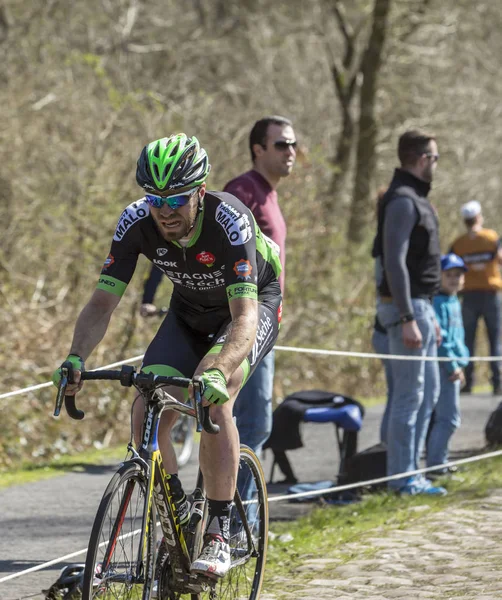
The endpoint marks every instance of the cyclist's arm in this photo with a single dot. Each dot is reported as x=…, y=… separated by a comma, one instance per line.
x=237, y=346
x=92, y=322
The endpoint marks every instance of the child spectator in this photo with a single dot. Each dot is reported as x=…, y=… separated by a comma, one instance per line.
x=449, y=315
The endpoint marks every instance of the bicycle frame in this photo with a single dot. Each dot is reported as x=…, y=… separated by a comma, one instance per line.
x=159, y=495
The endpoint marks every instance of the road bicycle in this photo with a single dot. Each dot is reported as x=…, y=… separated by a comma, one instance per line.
x=123, y=562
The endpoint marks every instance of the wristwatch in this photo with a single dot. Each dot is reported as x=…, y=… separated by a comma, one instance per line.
x=406, y=318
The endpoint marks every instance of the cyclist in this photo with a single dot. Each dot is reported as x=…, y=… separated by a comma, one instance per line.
x=223, y=316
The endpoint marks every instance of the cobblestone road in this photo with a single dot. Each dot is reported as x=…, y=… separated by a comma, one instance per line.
x=453, y=553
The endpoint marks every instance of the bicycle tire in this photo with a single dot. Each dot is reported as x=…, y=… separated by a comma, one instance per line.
x=116, y=532
x=245, y=578
x=182, y=436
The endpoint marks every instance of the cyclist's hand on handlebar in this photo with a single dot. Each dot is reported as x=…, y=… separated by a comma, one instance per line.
x=147, y=310
x=214, y=386
x=78, y=367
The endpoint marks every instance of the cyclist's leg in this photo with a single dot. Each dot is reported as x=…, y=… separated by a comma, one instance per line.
x=219, y=454
x=253, y=407
x=173, y=351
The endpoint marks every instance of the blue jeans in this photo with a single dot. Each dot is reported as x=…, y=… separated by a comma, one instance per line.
x=415, y=389
x=380, y=343
x=446, y=419
x=478, y=304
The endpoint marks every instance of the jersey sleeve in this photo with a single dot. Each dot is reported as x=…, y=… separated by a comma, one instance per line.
x=238, y=232
x=121, y=261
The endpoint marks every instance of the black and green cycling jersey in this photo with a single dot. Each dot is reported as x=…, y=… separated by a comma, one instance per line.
x=227, y=257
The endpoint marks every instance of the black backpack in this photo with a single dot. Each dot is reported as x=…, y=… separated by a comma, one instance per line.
x=493, y=429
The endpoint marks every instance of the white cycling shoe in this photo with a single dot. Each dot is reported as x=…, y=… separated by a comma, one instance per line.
x=214, y=560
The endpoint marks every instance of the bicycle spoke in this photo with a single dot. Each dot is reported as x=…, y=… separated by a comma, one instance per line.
x=113, y=571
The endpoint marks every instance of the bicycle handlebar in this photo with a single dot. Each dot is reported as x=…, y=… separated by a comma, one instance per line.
x=129, y=377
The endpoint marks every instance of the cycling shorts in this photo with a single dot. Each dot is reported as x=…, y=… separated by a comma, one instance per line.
x=177, y=349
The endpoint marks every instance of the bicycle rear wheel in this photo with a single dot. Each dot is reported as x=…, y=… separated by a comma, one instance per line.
x=182, y=437
x=248, y=549
x=118, y=567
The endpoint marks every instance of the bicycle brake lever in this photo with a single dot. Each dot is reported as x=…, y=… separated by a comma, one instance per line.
x=69, y=401
x=203, y=417
x=61, y=392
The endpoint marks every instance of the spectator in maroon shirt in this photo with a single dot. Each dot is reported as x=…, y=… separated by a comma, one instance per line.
x=272, y=143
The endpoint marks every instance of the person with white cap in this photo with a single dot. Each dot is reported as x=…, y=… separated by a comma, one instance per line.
x=481, y=251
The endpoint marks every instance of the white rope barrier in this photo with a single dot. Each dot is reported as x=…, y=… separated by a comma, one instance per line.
x=369, y=482
x=40, y=386
x=318, y=351
x=382, y=356
x=282, y=498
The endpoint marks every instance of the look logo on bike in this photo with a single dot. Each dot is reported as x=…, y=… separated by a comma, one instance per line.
x=212, y=328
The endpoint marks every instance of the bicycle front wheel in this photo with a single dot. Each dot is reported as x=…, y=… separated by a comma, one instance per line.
x=119, y=561
x=248, y=544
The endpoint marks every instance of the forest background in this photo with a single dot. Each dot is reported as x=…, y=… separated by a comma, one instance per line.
x=84, y=85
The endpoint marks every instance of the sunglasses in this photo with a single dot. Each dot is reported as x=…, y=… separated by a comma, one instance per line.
x=284, y=145
x=433, y=157
x=173, y=202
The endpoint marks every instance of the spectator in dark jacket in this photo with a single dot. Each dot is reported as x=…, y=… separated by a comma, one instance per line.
x=407, y=242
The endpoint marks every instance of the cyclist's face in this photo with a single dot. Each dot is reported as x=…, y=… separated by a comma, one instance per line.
x=175, y=224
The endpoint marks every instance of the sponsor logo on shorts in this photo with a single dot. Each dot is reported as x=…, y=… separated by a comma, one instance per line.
x=243, y=269
x=263, y=336
x=279, y=313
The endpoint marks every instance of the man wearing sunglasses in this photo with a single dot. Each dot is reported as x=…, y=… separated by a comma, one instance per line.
x=407, y=243
x=223, y=316
x=272, y=144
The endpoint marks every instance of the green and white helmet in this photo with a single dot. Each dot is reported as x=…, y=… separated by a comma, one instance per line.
x=172, y=163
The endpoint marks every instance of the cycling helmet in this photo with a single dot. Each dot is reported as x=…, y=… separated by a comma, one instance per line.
x=172, y=163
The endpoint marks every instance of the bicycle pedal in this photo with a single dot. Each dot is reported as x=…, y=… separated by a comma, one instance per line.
x=201, y=583
x=207, y=579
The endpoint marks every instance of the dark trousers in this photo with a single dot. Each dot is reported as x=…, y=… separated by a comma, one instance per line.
x=487, y=305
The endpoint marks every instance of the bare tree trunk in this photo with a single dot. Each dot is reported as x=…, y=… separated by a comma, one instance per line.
x=342, y=158
x=345, y=80
x=361, y=209
x=4, y=24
